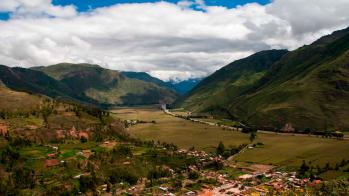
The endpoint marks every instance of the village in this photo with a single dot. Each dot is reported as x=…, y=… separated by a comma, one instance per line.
x=254, y=179
x=251, y=179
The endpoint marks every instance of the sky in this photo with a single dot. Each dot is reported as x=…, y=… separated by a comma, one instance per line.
x=175, y=39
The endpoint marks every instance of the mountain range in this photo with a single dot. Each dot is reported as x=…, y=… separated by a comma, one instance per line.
x=307, y=87
x=85, y=83
x=181, y=87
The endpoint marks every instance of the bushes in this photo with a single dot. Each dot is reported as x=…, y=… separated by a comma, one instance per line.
x=220, y=149
x=24, y=178
x=193, y=175
x=122, y=150
x=117, y=175
x=224, y=152
x=335, y=187
x=9, y=156
x=86, y=183
x=159, y=172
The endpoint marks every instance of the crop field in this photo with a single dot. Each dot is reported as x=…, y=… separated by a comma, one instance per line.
x=181, y=132
x=290, y=151
x=279, y=150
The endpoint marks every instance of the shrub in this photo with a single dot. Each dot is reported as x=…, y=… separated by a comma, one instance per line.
x=193, y=175
x=122, y=175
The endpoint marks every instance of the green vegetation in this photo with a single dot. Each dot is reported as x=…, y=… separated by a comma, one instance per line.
x=215, y=92
x=41, y=151
x=308, y=88
x=183, y=133
x=84, y=83
x=107, y=87
x=289, y=151
x=286, y=151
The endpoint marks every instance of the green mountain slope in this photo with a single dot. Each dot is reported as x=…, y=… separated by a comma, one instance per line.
x=308, y=87
x=22, y=79
x=216, y=91
x=107, y=86
x=145, y=77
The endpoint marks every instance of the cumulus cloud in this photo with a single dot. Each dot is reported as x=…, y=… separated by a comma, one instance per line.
x=169, y=41
x=37, y=8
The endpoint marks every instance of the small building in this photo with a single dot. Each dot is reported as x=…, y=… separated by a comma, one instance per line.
x=51, y=163
x=245, y=176
x=3, y=129
x=51, y=155
x=288, y=128
x=83, y=134
x=73, y=133
x=60, y=134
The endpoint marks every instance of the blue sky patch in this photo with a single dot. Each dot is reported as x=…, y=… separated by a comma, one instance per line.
x=84, y=5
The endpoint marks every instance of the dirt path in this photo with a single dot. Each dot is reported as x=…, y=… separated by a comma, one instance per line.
x=240, y=152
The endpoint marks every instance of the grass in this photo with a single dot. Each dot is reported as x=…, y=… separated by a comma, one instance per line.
x=279, y=150
x=290, y=151
x=12, y=100
x=20, y=122
x=181, y=132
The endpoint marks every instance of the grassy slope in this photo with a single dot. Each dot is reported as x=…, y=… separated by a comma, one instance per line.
x=107, y=86
x=13, y=100
x=22, y=79
x=217, y=90
x=309, y=87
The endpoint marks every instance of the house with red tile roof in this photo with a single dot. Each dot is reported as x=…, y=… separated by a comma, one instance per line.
x=51, y=163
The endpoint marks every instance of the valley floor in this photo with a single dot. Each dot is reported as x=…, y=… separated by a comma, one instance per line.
x=284, y=151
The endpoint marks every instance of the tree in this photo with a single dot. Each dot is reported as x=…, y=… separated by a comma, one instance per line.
x=193, y=175
x=303, y=169
x=253, y=136
x=220, y=149
x=83, y=139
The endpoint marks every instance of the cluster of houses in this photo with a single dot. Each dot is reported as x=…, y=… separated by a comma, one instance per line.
x=251, y=184
x=72, y=133
x=257, y=180
x=204, y=158
x=51, y=160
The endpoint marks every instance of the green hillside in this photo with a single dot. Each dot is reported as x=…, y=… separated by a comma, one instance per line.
x=308, y=87
x=28, y=80
x=11, y=100
x=106, y=86
x=216, y=91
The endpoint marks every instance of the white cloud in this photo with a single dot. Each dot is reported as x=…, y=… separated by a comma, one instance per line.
x=167, y=40
x=25, y=8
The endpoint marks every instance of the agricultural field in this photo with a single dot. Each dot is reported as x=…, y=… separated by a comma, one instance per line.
x=290, y=151
x=286, y=151
x=181, y=132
